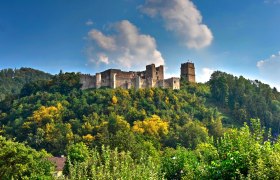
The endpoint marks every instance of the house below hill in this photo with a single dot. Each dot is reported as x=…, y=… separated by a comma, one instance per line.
x=59, y=163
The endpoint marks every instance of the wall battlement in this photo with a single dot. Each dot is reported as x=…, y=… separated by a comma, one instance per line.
x=152, y=77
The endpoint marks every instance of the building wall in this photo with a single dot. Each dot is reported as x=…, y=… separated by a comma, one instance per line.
x=173, y=83
x=105, y=78
x=87, y=81
x=125, y=80
x=98, y=80
x=151, y=77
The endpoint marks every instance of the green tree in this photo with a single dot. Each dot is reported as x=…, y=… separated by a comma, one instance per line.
x=219, y=87
x=76, y=154
x=18, y=161
x=192, y=134
x=112, y=164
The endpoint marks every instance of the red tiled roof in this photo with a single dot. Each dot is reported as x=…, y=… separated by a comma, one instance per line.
x=58, y=161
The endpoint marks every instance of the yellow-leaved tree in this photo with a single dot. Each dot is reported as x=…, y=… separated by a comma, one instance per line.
x=44, y=115
x=114, y=100
x=88, y=139
x=45, y=127
x=153, y=126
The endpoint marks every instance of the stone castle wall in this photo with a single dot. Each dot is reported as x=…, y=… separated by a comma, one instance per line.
x=152, y=77
x=173, y=83
x=87, y=81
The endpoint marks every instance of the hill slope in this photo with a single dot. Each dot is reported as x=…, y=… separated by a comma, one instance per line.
x=181, y=131
x=244, y=99
x=12, y=80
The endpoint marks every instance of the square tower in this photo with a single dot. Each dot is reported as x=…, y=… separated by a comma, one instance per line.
x=151, y=71
x=188, y=71
x=160, y=73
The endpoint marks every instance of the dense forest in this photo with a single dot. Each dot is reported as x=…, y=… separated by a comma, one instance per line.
x=244, y=99
x=226, y=128
x=12, y=80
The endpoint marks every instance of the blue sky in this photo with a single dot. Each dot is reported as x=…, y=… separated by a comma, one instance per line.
x=240, y=37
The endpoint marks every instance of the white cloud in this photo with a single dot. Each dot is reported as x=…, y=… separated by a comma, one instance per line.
x=260, y=63
x=103, y=59
x=104, y=42
x=125, y=48
x=204, y=75
x=183, y=18
x=272, y=1
x=89, y=23
x=269, y=69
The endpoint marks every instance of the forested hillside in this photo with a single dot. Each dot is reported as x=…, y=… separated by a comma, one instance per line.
x=161, y=133
x=244, y=99
x=12, y=80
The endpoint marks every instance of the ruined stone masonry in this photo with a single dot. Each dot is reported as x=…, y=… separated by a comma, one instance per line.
x=152, y=77
x=188, y=72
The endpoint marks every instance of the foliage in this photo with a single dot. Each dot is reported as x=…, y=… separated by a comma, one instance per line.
x=63, y=83
x=78, y=152
x=239, y=154
x=153, y=132
x=244, y=99
x=18, y=161
x=51, y=118
x=245, y=154
x=12, y=80
x=192, y=133
x=112, y=164
x=153, y=126
x=179, y=163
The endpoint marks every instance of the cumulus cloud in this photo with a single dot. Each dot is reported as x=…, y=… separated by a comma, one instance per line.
x=204, y=75
x=183, y=18
x=89, y=23
x=269, y=69
x=103, y=41
x=125, y=47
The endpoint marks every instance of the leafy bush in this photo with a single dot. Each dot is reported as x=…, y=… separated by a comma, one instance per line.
x=111, y=164
x=18, y=161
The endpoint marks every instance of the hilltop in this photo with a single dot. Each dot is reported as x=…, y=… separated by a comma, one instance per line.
x=56, y=115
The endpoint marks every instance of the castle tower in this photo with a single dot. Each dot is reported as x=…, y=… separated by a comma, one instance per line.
x=150, y=75
x=160, y=73
x=188, y=72
x=151, y=71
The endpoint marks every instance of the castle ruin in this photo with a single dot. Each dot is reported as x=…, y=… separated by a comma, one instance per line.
x=188, y=72
x=152, y=77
